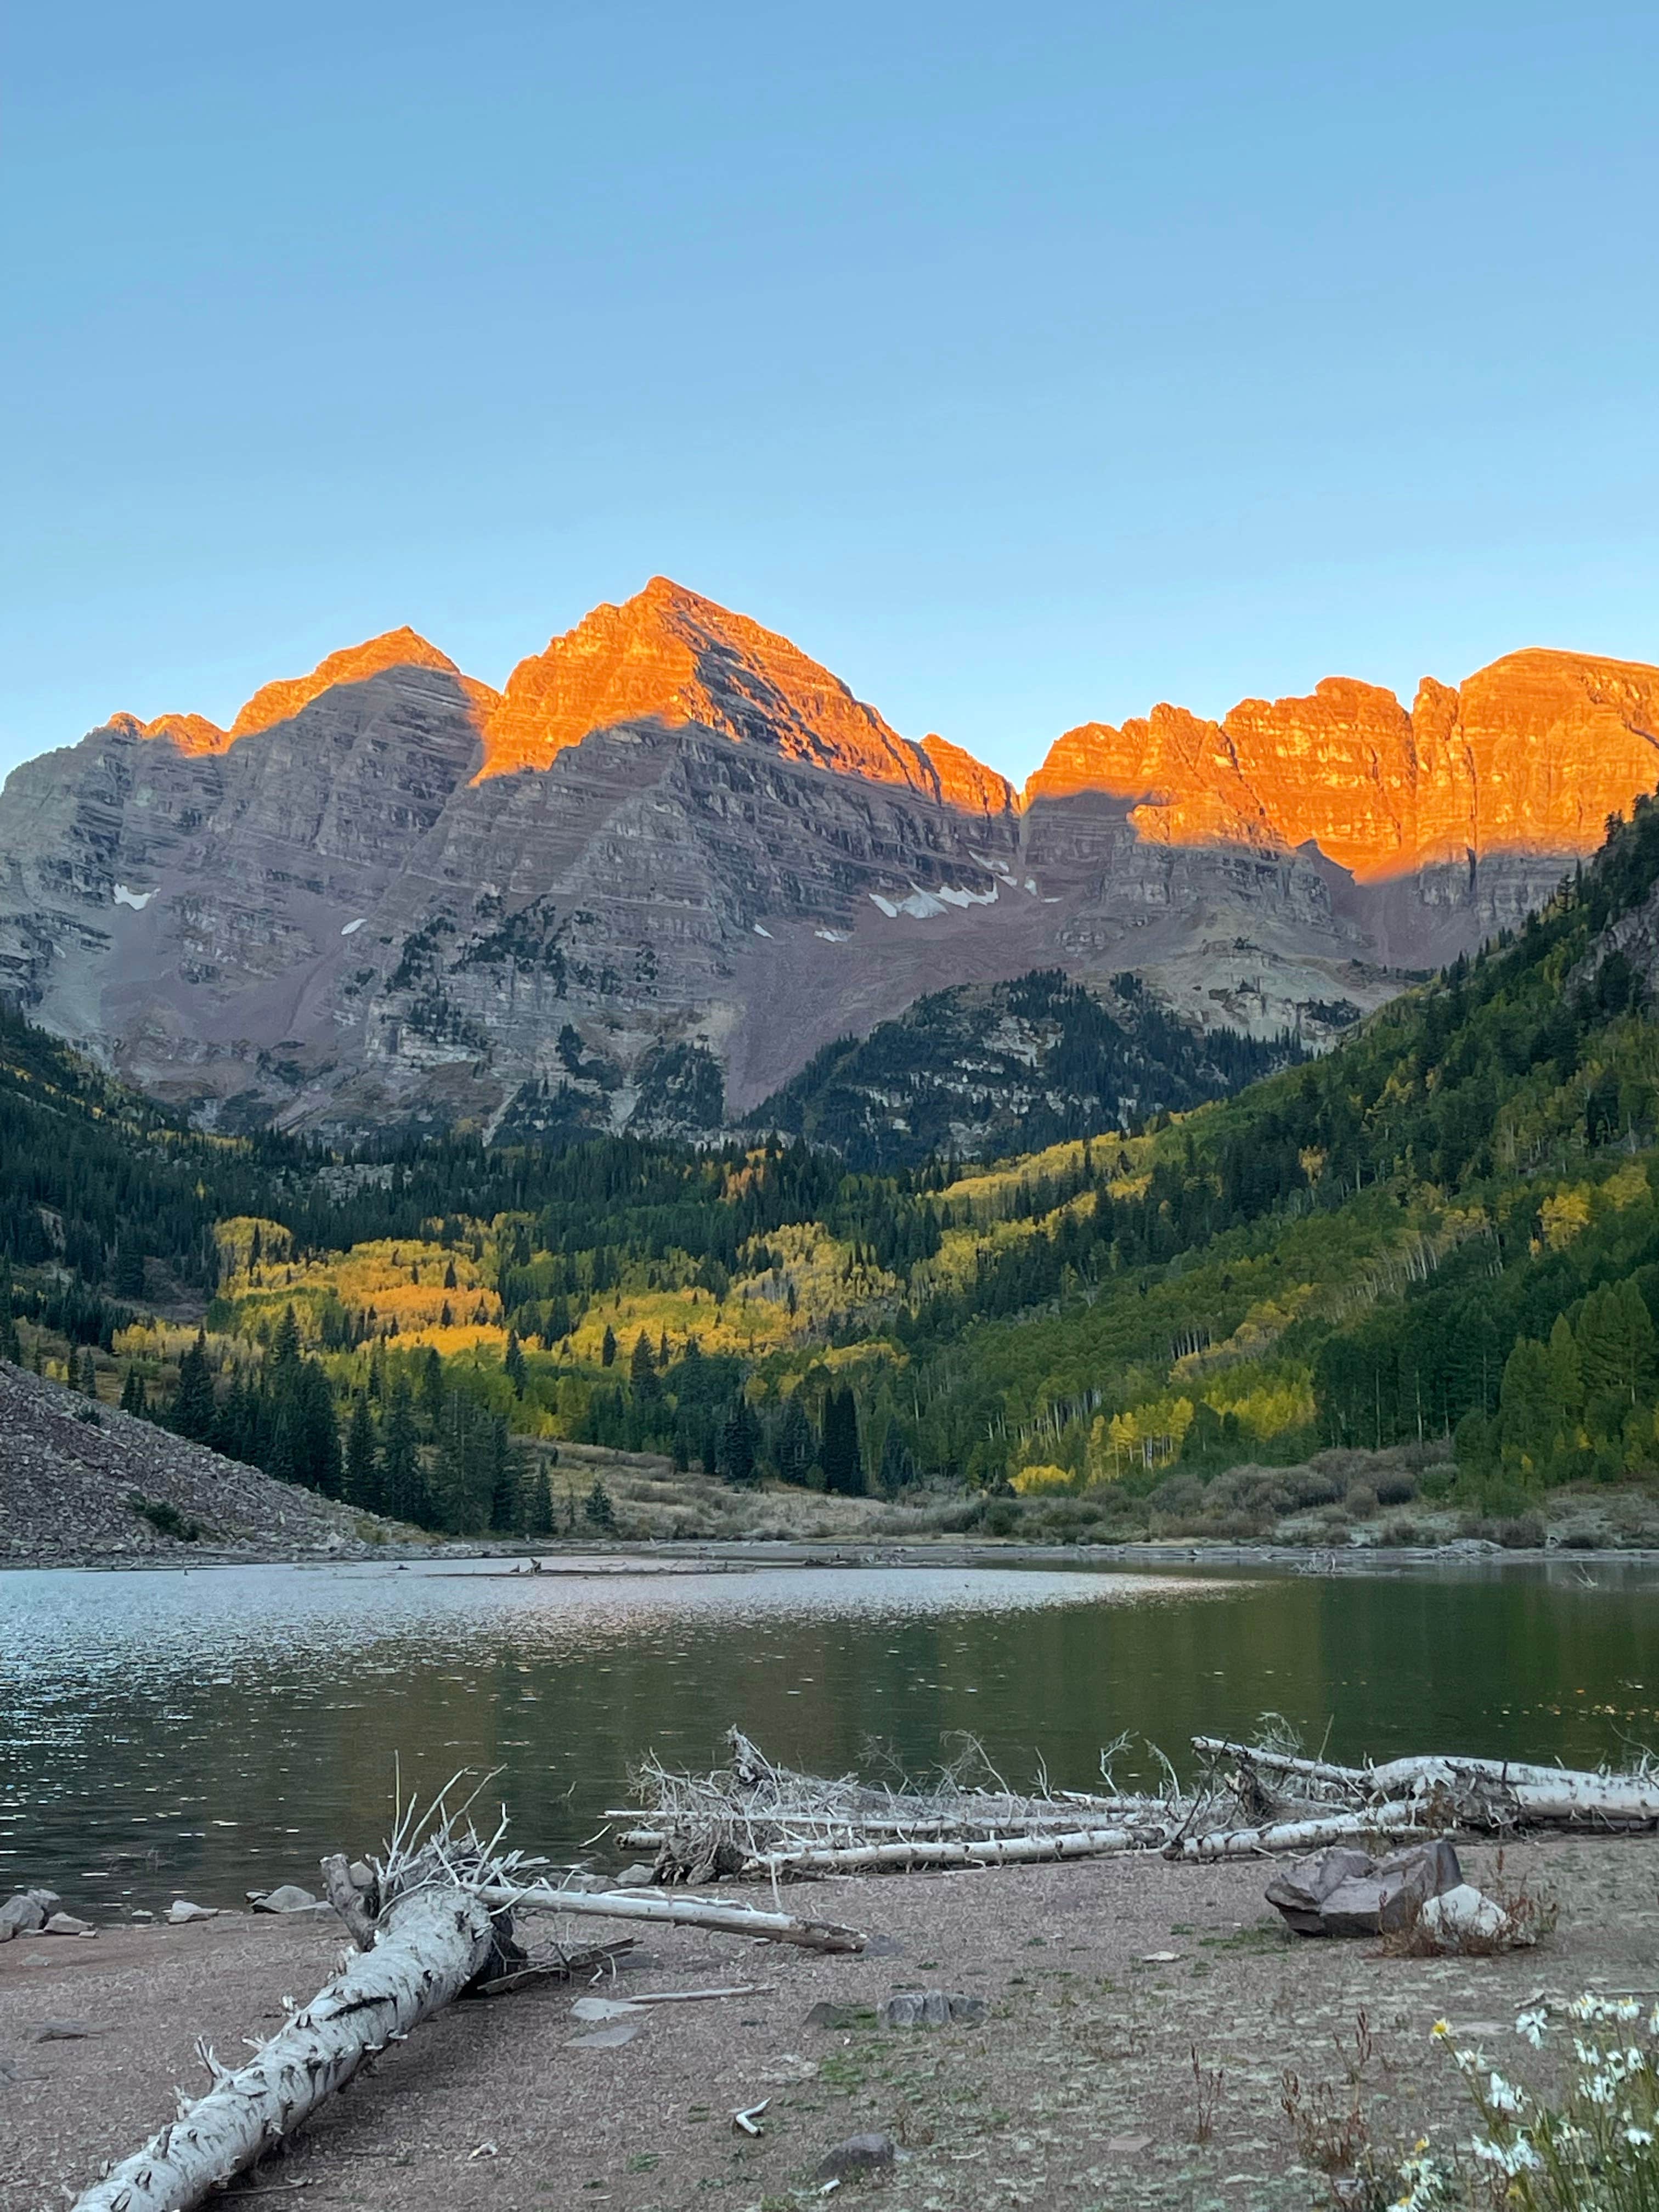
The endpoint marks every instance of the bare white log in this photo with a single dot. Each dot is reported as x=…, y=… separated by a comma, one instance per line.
x=996, y=1851
x=432, y=1942
x=1298, y=1835
x=683, y=1911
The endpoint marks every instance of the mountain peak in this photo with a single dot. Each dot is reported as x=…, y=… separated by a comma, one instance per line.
x=280, y=700
x=667, y=656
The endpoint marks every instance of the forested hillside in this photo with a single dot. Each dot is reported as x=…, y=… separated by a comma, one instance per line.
x=1447, y=1228
x=984, y=1070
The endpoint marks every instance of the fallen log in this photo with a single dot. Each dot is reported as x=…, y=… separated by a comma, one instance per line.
x=433, y=1940
x=1009, y=1850
x=684, y=1912
x=1309, y=1835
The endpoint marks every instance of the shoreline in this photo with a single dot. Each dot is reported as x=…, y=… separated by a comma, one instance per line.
x=1113, y=1991
x=737, y=1554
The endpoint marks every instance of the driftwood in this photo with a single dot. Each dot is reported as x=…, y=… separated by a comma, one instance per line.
x=435, y=1922
x=436, y=1934
x=685, y=1912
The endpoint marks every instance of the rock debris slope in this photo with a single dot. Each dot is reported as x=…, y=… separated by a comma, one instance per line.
x=644, y=883
x=68, y=1489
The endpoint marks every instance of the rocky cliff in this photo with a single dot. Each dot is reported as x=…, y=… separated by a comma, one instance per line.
x=643, y=883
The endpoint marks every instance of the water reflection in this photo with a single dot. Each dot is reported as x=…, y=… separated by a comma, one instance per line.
x=212, y=1730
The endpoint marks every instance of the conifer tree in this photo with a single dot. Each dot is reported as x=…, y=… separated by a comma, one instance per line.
x=597, y=1509
x=642, y=1371
x=363, y=1474
x=192, y=1400
x=608, y=1347
x=797, y=1443
x=513, y=1362
x=842, y=1459
x=504, y=1489
x=402, y=1481
x=740, y=1437
x=133, y=1398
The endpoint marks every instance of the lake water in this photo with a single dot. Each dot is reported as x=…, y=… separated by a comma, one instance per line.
x=204, y=1732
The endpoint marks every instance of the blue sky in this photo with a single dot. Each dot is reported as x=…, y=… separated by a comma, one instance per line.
x=1024, y=365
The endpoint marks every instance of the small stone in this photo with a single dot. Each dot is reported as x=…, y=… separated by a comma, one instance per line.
x=867, y=2153
x=286, y=1897
x=67, y=2031
x=611, y=2037
x=824, y=2015
x=65, y=1923
x=361, y=1875
x=637, y=1876
x=181, y=1912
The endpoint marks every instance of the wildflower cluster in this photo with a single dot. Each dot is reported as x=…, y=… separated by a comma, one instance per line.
x=1593, y=2151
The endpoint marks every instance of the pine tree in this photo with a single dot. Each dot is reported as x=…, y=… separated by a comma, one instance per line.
x=897, y=1467
x=362, y=1473
x=642, y=1371
x=133, y=1398
x=402, y=1480
x=608, y=1347
x=740, y=1437
x=842, y=1459
x=504, y=1488
x=797, y=1443
x=597, y=1509
x=11, y=1347
x=513, y=1362
x=537, y=1501
x=433, y=1389
x=192, y=1400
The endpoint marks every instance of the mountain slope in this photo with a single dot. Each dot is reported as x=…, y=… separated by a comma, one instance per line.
x=387, y=894
x=988, y=1070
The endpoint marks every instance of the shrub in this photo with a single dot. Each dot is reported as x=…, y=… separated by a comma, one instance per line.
x=1361, y=1502
x=1397, y=1487
x=165, y=1518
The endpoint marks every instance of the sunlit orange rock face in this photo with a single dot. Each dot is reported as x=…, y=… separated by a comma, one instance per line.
x=668, y=656
x=280, y=701
x=1531, y=756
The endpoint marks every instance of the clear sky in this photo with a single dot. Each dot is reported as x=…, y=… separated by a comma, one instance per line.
x=1026, y=364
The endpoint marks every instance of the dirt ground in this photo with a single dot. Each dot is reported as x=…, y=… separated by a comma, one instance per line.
x=1080, y=2088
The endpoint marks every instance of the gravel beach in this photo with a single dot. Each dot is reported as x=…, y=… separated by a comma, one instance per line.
x=1079, y=2086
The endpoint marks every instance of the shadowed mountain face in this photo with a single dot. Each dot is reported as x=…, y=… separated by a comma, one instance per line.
x=648, y=881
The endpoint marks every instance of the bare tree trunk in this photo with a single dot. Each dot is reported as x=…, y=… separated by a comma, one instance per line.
x=433, y=1941
x=1003, y=1850
x=686, y=1911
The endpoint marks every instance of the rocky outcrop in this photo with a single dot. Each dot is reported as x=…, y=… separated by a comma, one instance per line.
x=643, y=884
x=1525, y=762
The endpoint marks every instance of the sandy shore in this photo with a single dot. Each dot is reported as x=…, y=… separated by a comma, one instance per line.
x=1078, y=2087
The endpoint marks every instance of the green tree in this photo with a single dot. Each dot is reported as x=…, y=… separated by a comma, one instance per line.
x=738, y=1443
x=513, y=1362
x=797, y=1445
x=597, y=1509
x=642, y=1372
x=362, y=1472
x=133, y=1397
x=608, y=1347
x=402, y=1478
x=192, y=1399
x=843, y=1457
x=504, y=1485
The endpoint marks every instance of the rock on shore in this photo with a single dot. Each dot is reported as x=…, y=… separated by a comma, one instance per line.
x=68, y=1486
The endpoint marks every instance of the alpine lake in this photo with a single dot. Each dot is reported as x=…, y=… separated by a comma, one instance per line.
x=206, y=1732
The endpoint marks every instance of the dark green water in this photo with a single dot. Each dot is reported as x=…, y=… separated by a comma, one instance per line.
x=203, y=1733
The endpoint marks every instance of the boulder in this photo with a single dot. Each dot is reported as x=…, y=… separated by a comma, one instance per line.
x=866, y=2154
x=1463, y=1914
x=181, y=1912
x=65, y=1923
x=286, y=1897
x=1344, y=1892
x=22, y=1915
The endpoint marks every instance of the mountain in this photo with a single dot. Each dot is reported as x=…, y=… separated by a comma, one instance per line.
x=674, y=858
